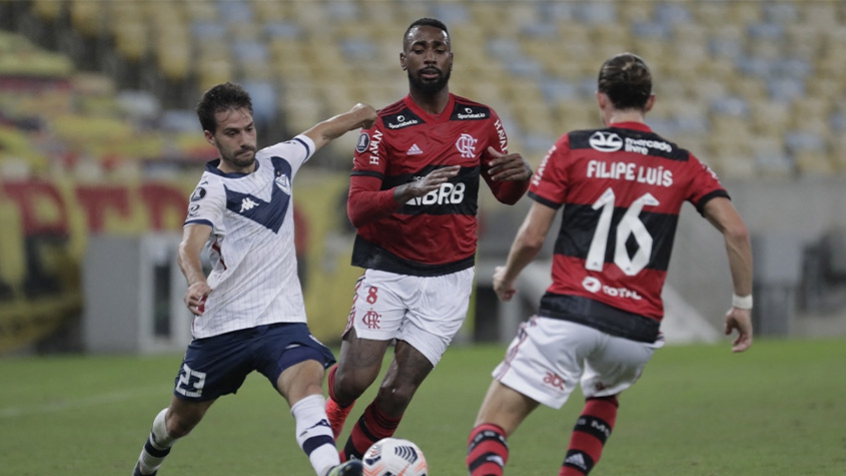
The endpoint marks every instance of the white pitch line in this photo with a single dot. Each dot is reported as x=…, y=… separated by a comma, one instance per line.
x=113, y=397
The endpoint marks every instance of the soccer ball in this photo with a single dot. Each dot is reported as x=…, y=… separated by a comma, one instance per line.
x=394, y=457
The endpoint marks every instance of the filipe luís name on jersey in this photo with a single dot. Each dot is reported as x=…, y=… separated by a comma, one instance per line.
x=630, y=171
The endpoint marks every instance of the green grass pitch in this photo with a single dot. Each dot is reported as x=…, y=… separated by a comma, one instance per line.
x=698, y=410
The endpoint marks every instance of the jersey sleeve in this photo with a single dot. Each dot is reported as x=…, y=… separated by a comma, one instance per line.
x=295, y=151
x=704, y=185
x=207, y=204
x=549, y=183
x=371, y=155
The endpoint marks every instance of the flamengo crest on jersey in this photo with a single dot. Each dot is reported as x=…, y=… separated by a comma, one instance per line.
x=254, y=267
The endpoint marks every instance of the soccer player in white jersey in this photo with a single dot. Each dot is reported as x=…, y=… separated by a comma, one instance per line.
x=249, y=311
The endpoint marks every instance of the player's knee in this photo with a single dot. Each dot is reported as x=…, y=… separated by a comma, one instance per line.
x=351, y=384
x=396, y=396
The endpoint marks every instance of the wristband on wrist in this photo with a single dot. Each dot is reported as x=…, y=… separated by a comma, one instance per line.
x=741, y=302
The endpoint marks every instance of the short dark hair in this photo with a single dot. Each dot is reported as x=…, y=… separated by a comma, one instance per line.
x=221, y=97
x=626, y=79
x=424, y=22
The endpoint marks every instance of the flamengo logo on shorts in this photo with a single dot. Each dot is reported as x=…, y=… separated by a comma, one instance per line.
x=371, y=319
x=554, y=380
x=594, y=285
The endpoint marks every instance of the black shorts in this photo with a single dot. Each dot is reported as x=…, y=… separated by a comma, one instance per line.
x=218, y=365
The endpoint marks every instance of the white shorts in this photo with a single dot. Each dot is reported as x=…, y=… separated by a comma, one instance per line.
x=426, y=312
x=549, y=356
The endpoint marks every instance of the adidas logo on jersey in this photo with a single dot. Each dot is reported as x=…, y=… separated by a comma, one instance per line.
x=414, y=150
x=247, y=204
x=576, y=459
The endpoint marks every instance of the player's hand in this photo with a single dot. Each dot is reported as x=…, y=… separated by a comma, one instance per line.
x=432, y=181
x=367, y=114
x=741, y=320
x=503, y=288
x=195, y=296
x=508, y=167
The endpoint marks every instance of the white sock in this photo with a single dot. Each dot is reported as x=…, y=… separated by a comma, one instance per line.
x=157, y=447
x=314, y=435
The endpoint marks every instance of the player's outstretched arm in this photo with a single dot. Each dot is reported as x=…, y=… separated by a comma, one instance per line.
x=526, y=246
x=194, y=238
x=722, y=214
x=360, y=116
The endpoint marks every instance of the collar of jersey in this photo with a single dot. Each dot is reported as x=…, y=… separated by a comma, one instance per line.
x=638, y=126
x=211, y=166
x=444, y=116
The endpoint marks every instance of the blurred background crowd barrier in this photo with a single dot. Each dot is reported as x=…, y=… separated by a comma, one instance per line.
x=100, y=147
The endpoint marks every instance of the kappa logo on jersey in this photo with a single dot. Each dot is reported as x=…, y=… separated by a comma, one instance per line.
x=198, y=194
x=605, y=141
x=466, y=144
x=283, y=183
x=363, y=142
x=414, y=150
x=247, y=204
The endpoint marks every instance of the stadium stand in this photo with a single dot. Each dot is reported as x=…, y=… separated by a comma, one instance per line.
x=749, y=85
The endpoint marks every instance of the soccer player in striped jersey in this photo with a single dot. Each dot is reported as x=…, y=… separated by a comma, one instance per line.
x=621, y=189
x=413, y=198
x=249, y=312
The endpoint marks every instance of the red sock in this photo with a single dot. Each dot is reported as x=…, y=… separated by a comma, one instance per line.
x=592, y=430
x=487, y=450
x=373, y=425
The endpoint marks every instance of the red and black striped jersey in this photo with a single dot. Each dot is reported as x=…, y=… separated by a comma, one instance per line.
x=434, y=234
x=622, y=188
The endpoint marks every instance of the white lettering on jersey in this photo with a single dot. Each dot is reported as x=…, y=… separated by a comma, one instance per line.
x=374, y=147
x=247, y=204
x=503, y=140
x=448, y=193
x=536, y=178
x=466, y=144
x=629, y=171
x=594, y=285
x=642, y=146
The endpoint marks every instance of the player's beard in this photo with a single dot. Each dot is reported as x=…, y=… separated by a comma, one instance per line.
x=242, y=160
x=429, y=87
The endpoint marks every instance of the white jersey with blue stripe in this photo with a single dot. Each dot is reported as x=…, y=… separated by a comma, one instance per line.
x=254, y=265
